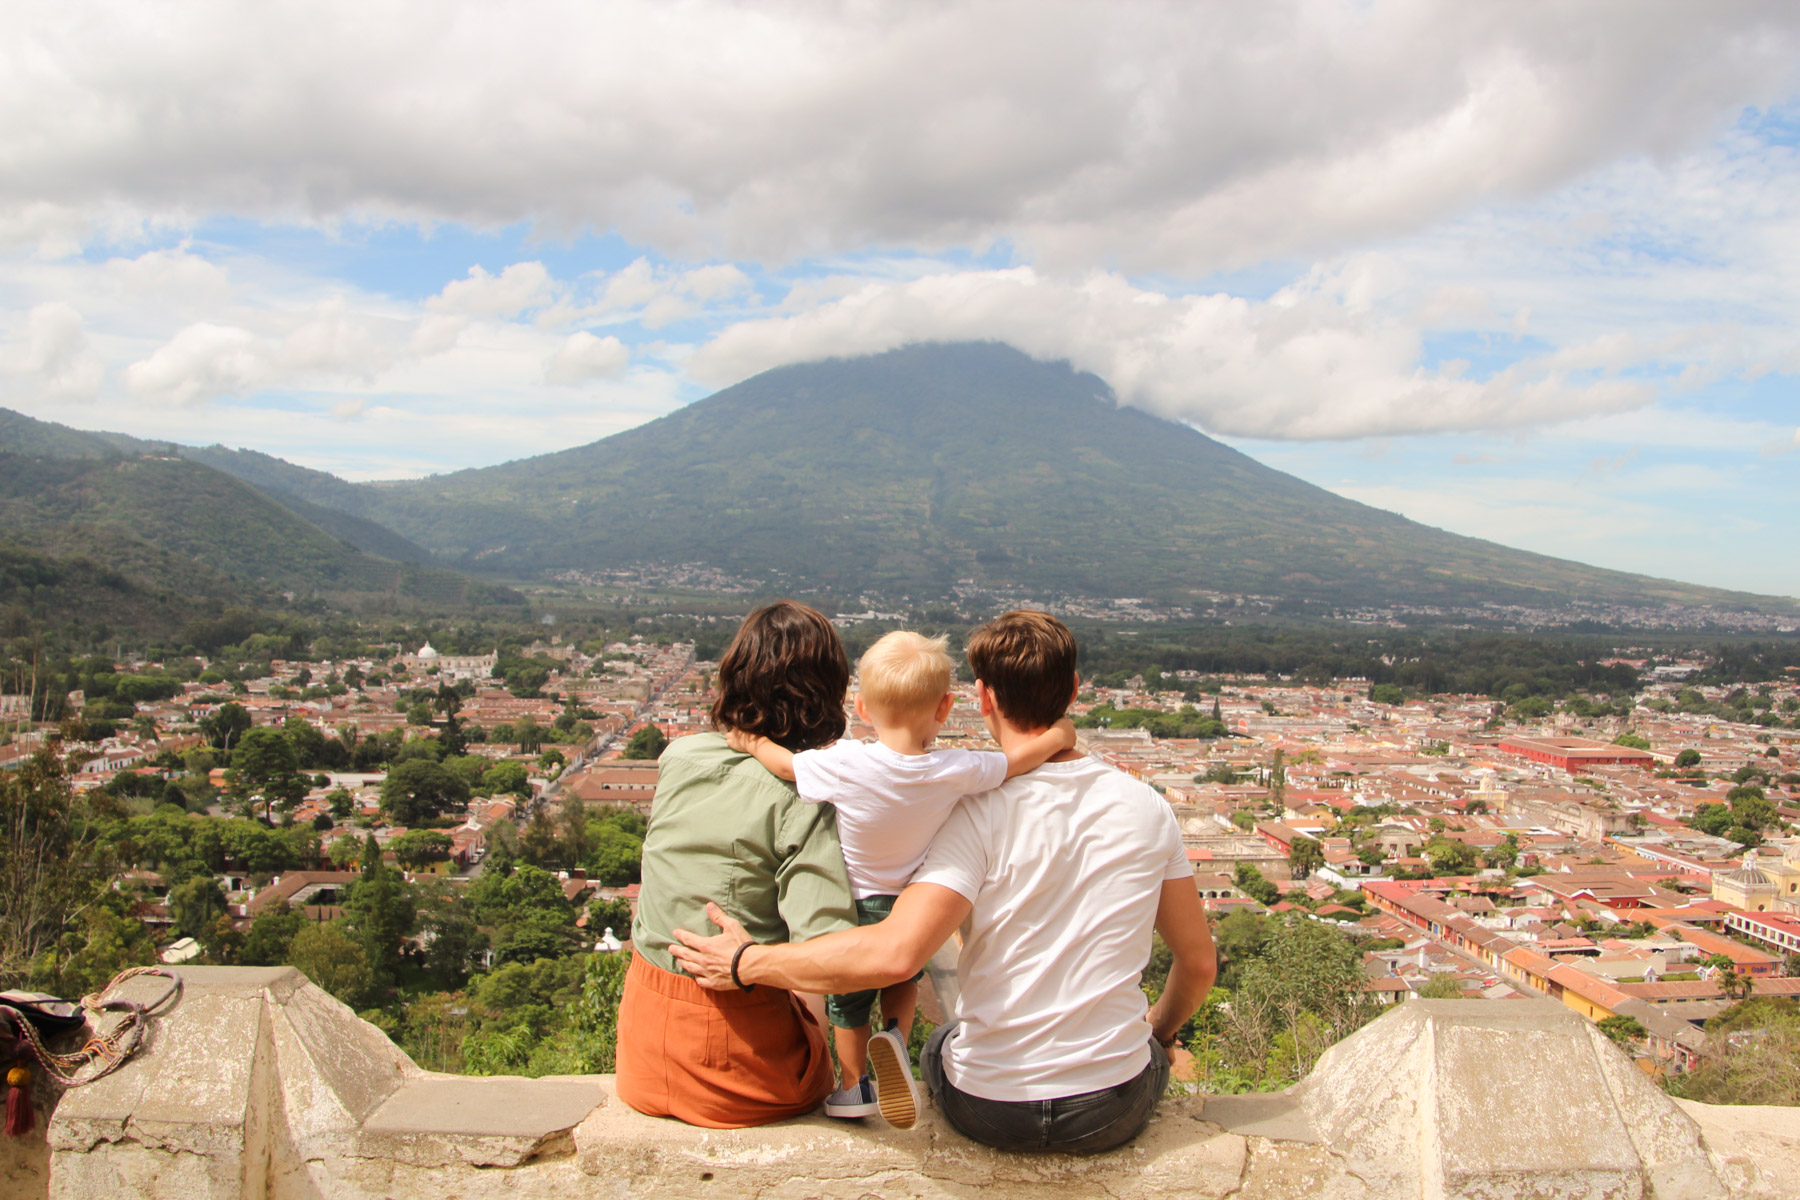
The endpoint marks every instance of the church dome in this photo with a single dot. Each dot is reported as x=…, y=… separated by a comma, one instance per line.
x=1750, y=876
x=426, y=652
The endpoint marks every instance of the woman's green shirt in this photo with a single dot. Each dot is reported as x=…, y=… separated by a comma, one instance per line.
x=723, y=829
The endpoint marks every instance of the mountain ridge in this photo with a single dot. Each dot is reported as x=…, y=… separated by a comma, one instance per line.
x=97, y=523
x=925, y=468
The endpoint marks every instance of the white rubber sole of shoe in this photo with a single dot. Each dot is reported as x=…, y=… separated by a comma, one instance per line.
x=895, y=1093
x=850, y=1112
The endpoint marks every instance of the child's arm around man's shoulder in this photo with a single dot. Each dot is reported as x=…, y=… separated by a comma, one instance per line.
x=1041, y=749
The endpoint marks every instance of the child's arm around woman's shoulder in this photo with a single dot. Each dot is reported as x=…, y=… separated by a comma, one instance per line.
x=778, y=760
x=1041, y=749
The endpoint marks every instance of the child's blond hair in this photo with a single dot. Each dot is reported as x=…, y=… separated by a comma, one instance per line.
x=905, y=673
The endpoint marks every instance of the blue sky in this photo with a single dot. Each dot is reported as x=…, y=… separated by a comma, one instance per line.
x=1526, y=274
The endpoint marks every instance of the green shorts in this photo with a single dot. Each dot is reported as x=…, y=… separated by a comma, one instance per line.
x=851, y=1011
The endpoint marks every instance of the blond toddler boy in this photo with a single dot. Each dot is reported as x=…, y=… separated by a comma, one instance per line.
x=892, y=795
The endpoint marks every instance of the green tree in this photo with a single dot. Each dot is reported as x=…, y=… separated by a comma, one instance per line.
x=447, y=700
x=195, y=905
x=609, y=914
x=225, y=726
x=1687, y=758
x=1714, y=819
x=334, y=960
x=453, y=941
x=1442, y=987
x=380, y=914
x=616, y=857
x=1219, y=772
x=1754, y=1056
x=88, y=957
x=55, y=865
x=526, y=914
x=1240, y=937
x=1302, y=993
x=1735, y=984
x=419, y=848
x=1505, y=855
x=222, y=941
x=308, y=742
x=587, y=1045
x=419, y=791
x=577, y=838
x=507, y=777
x=270, y=934
x=1624, y=1031
x=345, y=852
x=1387, y=693
x=502, y=851
x=1305, y=856
x=1750, y=807
x=1252, y=883
x=646, y=743
x=1632, y=741
x=527, y=681
x=1450, y=857
x=264, y=765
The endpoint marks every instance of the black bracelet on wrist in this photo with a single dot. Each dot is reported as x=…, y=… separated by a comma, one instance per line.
x=748, y=987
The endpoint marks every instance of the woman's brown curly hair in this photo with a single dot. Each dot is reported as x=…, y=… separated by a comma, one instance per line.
x=784, y=676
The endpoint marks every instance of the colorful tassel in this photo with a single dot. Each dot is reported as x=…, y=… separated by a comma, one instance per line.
x=19, y=1114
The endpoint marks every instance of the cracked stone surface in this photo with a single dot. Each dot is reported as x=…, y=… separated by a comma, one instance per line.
x=262, y=1087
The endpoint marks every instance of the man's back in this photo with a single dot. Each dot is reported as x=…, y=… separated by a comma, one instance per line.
x=1064, y=868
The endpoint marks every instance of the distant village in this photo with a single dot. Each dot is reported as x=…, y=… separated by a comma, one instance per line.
x=1601, y=860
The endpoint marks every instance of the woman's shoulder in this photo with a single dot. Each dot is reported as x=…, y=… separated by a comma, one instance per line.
x=706, y=754
x=696, y=746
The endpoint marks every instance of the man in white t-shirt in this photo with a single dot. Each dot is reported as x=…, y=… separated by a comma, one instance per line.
x=1056, y=879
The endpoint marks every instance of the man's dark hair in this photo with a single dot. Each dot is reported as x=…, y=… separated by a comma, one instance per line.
x=784, y=677
x=1027, y=659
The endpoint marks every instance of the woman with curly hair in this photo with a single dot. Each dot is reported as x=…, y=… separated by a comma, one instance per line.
x=722, y=828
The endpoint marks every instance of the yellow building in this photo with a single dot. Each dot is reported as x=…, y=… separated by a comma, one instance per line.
x=1750, y=887
x=1786, y=872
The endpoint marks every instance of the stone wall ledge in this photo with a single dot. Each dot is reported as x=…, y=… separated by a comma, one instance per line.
x=259, y=1085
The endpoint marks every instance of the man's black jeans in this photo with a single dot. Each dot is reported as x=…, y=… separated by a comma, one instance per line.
x=1084, y=1124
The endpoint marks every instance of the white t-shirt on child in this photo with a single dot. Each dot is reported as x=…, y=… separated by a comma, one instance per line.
x=890, y=805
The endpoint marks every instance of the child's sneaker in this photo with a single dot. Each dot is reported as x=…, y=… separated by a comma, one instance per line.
x=858, y=1101
x=897, y=1096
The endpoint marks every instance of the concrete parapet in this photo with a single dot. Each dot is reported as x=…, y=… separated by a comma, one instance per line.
x=259, y=1085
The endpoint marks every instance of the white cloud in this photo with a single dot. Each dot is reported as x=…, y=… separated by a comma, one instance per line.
x=436, y=333
x=207, y=359
x=1173, y=137
x=1319, y=359
x=54, y=359
x=517, y=288
x=201, y=363
x=584, y=356
x=656, y=296
x=338, y=341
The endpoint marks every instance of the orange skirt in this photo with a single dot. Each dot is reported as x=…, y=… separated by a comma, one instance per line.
x=724, y=1060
